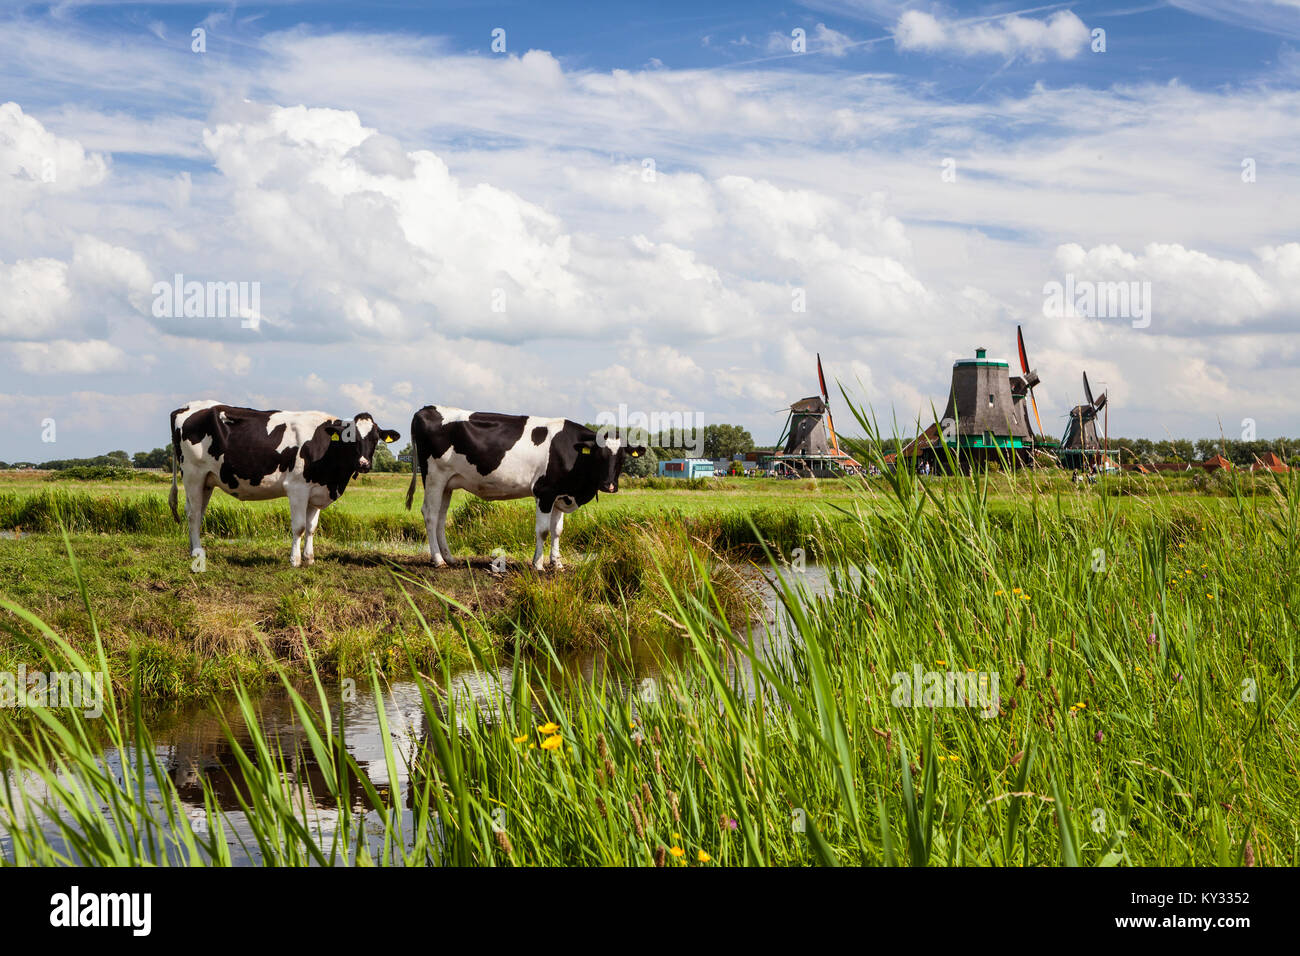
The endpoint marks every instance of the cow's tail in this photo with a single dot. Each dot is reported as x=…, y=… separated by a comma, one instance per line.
x=415, y=471
x=171, y=499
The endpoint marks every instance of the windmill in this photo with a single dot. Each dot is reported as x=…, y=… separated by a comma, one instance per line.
x=1081, y=429
x=808, y=444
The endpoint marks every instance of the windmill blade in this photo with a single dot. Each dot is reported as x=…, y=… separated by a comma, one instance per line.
x=1024, y=367
x=830, y=425
x=1088, y=391
x=821, y=380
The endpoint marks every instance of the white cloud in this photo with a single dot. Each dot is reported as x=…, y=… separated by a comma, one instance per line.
x=1062, y=35
x=62, y=357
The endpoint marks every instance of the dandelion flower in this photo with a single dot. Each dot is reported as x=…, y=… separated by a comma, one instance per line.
x=1016, y=590
x=520, y=740
x=704, y=857
x=1024, y=597
x=553, y=742
x=942, y=663
x=677, y=852
x=549, y=727
x=999, y=593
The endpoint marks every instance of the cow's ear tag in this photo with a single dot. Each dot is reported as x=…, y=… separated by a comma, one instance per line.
x=586, y=451
x=334, y=436
x=635, y=454
x=388, y=441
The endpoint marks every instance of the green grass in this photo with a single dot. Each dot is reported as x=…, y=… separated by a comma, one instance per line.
x=1146, y=653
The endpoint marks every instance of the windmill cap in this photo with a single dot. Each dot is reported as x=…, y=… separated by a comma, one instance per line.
x=979, y=352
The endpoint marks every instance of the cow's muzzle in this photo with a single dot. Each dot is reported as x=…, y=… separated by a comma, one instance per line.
x=611, y=487
x=363, y=465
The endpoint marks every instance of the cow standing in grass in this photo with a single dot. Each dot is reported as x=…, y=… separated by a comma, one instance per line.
x=560, y=463
x=308, y=457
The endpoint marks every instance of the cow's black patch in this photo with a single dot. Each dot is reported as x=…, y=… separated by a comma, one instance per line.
x=240, y=439
x=483, y=438
x=539, y=434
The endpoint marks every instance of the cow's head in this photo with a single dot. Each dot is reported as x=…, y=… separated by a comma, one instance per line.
x=601, y=459
x=363, y=435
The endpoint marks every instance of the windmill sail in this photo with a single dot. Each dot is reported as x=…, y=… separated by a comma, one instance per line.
x=830, y=422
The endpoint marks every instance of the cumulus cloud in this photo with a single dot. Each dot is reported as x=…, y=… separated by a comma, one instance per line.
x=1192, y=290
x=34, y=159
x=1061, y=36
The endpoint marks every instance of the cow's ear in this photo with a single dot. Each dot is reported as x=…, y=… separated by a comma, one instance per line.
x=334, y=429
x=586, y=446
x=389, y=436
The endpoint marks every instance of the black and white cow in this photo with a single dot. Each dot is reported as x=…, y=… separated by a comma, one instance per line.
x=308, y=457
x=560, y=463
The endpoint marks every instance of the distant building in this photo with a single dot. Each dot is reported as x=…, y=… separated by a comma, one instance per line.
x=1269, y=461
x=686, y=468
x=1217, y=463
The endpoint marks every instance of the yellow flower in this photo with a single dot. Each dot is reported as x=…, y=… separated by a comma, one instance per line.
x=1210, y=596
x=1015, y=590
x=1081, y=705
x=677, y=836
x=942, y=663
x=1024, y=597
x=552, y=742
x=704, y=857
x=520, y=740
x=999, y=593
x=677, y=851
x=549, y=727
x=954, y=758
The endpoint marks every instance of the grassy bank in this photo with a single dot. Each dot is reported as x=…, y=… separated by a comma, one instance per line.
x=1147, y=678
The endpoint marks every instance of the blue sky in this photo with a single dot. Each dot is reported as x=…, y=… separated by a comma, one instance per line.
x=624, y=206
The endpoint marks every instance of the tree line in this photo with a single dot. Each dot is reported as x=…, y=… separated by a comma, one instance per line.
x=1237, y=451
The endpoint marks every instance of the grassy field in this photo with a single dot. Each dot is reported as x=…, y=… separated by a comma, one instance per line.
x=1144, y=649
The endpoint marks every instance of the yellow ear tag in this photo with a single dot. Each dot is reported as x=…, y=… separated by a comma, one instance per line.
x=635, y=454
x=388, y=441
x=586, y=451
x=334, y=436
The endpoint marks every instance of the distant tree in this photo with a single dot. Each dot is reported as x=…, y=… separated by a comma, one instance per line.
x=642, y=467
x=724, y=441
x=121, y=456
x=158, y=458
x=384, y=460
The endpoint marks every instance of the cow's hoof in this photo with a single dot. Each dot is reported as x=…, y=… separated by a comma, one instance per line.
x=539, y=566
x=295, y=562
x=438, y=561
x=310, y=559
x=557, y=565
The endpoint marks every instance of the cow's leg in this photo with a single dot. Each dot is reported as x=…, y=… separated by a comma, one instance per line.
x=434, y=514
x=313, y=518
x=557, y=526
x=297, y=524
x=443, y=547
x=197, y=495
x=541, y=528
